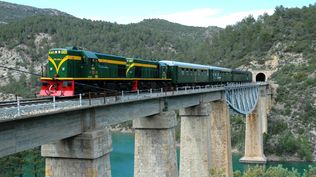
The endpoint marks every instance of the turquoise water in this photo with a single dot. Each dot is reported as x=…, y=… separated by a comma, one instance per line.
x=122, y=157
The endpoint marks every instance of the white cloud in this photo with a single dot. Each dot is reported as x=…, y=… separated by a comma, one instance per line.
x=211, y=17
x=197, y=17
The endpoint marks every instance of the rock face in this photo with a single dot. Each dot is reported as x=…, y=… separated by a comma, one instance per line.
x=19, y=58
x=6, y=97
x=12, y=59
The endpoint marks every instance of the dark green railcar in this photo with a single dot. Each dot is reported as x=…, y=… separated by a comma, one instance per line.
x=186, y=73
x=219, y=74
x=241, y=76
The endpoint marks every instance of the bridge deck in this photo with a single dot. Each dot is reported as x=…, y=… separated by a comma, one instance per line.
x=34, y=128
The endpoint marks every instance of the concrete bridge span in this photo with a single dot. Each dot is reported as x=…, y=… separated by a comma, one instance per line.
x=76, y=142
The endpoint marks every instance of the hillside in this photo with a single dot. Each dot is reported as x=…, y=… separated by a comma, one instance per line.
x=283, y=43
x=10, y=12
x=24, y=43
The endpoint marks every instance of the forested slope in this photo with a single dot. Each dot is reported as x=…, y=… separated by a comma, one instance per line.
x=10, y=12
x=284, y=43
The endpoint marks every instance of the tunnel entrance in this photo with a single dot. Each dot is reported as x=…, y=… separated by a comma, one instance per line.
x=260, y=77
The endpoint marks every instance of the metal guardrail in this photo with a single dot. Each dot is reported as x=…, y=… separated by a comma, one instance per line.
x=18, y=110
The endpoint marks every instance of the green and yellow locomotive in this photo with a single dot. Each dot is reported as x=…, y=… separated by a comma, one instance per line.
x=71, y=71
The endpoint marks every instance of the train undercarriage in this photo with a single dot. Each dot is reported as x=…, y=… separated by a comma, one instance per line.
x=66, y=88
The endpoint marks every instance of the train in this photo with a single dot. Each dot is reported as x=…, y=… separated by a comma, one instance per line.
x=71, y=71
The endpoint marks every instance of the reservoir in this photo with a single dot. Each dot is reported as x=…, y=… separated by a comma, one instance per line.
x=122, y=157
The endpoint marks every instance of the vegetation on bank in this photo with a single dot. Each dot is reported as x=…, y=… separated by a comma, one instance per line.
x=279, y=140
x=29, y=161
x=277, y=171
x=32, y=163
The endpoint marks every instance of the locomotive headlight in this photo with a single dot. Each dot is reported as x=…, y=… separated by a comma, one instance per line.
x=63, y=68
x=51, y=68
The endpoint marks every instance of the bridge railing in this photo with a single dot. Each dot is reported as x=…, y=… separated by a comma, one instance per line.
x=80, y=101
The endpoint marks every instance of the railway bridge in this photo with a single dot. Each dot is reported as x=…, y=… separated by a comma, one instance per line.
x=76, y=141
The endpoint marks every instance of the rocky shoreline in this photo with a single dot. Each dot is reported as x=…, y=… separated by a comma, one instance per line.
x=121, y=129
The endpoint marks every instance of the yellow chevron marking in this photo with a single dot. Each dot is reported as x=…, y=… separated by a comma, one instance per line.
x=53, y=62
x=140, y=65
x=129, y=68
x=68, y=57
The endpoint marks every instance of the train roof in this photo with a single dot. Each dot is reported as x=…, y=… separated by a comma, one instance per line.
x=139, y=60
x=220, y=68
x=102, y=55
x=182, y=64
x=240, y=71
x=194, y=66
x=88, y=54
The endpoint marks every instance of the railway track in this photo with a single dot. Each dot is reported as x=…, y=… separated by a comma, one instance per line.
x=14, y=109
x=86, y=96
x=24, y=102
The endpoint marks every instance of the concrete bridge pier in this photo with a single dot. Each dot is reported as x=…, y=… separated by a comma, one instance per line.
x=254, y=133
x=221, y=156
x=263, y=98
x=85, y=155
x=195, y=139
x=155, y=146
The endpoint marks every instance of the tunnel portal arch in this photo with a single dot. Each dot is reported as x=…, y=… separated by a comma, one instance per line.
x=260, y=77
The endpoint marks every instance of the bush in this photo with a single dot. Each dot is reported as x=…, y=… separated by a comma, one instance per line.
x=304, y=148
x=287, y=144
x=311, y=172
x=278, y=171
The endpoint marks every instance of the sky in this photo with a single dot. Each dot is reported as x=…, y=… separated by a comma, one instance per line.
x=201, y=13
